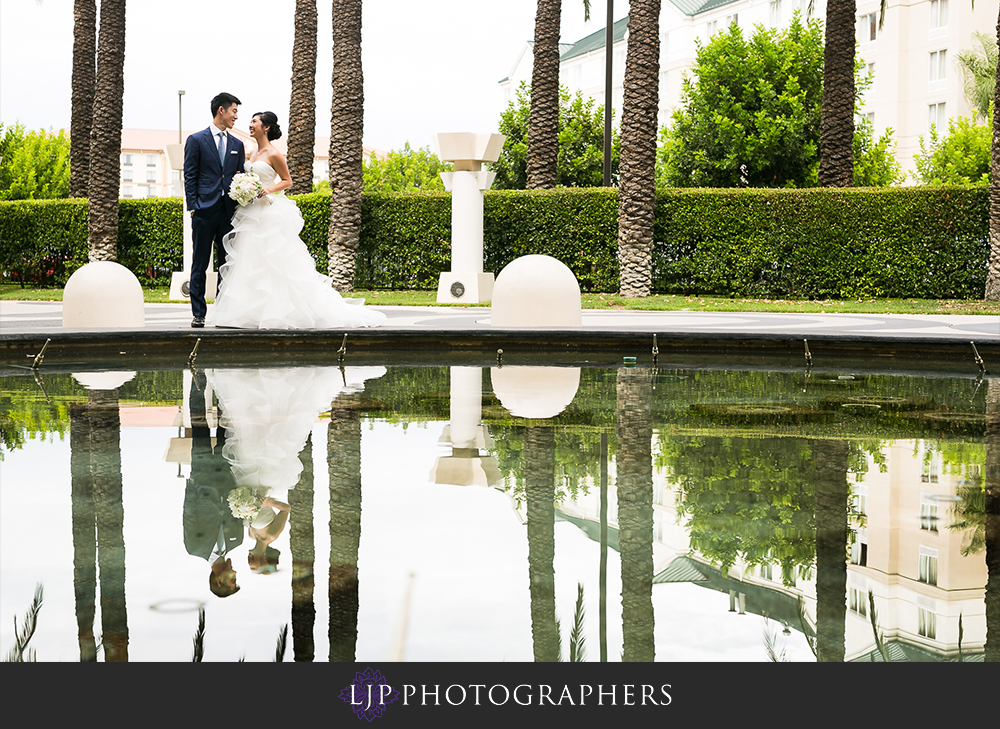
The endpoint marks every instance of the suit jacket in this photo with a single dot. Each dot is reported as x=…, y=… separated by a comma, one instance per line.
x=206, y=181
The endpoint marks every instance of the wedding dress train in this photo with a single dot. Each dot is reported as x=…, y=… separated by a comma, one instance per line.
x=269, y=279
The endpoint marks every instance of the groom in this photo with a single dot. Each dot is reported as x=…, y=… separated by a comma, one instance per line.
x=211, y=158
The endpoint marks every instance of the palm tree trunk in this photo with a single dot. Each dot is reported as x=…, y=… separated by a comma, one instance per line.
x=82, y=114
x=83, y=519
x=836, y=136
x=346, y=156
x=302, y=107
x=343, y=453
x=543, y=119
x=303, y=548
x=830, y=459
x=634, y=467
x=106, y=133
x=636, y=192
x=539, y=487
x=993, y=269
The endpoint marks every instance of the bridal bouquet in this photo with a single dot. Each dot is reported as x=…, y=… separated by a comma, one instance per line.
x=244, y=503
x=246, y=187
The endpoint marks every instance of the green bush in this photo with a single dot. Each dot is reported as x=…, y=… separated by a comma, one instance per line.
x=43, y=241
x=923, y=242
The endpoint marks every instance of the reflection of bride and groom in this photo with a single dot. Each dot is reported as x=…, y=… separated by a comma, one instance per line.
x=267, y=278
x=265, y=417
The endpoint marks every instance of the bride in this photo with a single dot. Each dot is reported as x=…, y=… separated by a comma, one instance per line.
x=269, y=279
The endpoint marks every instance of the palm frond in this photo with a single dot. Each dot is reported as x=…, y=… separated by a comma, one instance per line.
x=199, y=638
x=586, y=10
x=577, y=640
x=775, y=654
x=23, y=635
x=282, y=644
x=873, y=615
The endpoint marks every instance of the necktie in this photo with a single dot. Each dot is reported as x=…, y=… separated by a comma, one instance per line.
x=222, y=149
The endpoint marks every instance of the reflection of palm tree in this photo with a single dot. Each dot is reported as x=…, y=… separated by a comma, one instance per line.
x=539, y=488
x=830, y=459
x=991, y=526
x=343, y=453
x=96, y=464
x=634, y=468
x=302, y=542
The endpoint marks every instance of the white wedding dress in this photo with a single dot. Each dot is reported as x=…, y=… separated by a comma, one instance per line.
x=269, y=279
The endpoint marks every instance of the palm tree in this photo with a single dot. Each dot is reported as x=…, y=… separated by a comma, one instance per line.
x=634, y=466
x=539, y=490
x=106, y=133
x=836, y=136
x=636, y=194
x=346, y=157
x=302, y=107
x=543, y=119
x=993, y=268
x=978, y=67
x=84, y=62
x=303, y=548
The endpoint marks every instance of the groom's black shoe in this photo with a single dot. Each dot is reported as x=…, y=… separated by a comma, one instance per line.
x=198, y=322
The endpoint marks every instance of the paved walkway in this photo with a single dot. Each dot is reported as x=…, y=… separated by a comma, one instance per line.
x=45, y=317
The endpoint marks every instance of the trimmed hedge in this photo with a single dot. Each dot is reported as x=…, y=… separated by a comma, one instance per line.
x=921, y=242
x=43, y=241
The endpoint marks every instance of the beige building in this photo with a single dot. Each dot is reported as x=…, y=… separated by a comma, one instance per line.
x=912, y=58
x=146, y=170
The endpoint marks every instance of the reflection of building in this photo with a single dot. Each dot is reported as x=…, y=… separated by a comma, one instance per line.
x=902, y=551
x=146, y=170
x=911, y=58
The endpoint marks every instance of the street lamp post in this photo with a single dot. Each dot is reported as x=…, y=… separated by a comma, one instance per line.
x=180, y=123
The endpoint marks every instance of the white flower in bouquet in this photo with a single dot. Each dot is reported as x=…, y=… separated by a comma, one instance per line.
x=245, y=188
x=244, y=503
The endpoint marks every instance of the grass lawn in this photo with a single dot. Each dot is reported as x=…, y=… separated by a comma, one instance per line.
x=661, y=302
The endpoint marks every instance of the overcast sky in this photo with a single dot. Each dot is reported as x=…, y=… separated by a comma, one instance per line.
x=430, y=65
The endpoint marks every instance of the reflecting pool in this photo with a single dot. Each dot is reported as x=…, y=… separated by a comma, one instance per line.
x=434, y=513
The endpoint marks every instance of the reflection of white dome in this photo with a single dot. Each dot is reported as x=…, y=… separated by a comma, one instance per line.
x=103, y=380
x=103, y=294
x=535, y=392
x=536, y=291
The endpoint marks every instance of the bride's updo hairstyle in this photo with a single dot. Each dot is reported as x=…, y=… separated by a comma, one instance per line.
x=269, y=120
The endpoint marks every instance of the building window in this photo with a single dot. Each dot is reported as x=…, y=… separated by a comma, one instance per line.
x=939, y=14
x=926, y=623
x=868, y=27
x=127, y=191
x=152, y=192
x=127, y=175
x=150, y=175
x=859, y=601
x=939, y=67
x=710, y=28
x=663, y=85
x=175, y=175
x=859, y=499
x=734, y=18
x=936, y=117
x=767, y=571
x=151, y=160
x=859, y=549
x=126, y=159
x=775, y=12
x=928, y=565
x=928, y=516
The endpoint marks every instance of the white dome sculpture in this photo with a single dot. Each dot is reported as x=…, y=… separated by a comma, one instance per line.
x=103, y=380
x=536, y=291
x=103, y=294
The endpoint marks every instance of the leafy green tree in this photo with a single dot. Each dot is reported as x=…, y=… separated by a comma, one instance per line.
x=979, y=73
x=750, y=116
x=581, y=143
x=961, y=157
x=33, y=165
x=404, y=170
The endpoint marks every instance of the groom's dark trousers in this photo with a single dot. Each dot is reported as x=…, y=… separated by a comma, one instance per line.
x=206, y=187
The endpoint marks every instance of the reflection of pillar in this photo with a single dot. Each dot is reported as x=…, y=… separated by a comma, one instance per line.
x=634, y=468
x=830, y=460
x=467, y=435
x=991, y=526
x=300, y=535
x=84, y=544
x=343, y=453
x=106, y=467
x=539, y=488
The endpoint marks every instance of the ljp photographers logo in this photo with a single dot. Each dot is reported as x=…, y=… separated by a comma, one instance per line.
x=369, y=694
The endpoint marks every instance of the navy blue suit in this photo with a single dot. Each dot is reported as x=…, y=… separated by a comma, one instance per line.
x=206, y=187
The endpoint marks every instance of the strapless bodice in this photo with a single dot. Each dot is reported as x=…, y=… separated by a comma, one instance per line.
x=264, y=171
